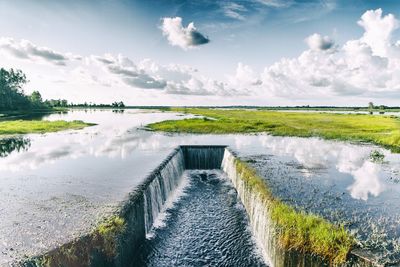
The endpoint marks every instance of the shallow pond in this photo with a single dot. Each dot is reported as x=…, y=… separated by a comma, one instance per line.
x=56, y=186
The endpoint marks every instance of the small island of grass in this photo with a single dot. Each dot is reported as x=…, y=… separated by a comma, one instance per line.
x=380, y=130
x=39, y=126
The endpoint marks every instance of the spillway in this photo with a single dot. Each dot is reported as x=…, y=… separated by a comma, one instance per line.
x=119, y=240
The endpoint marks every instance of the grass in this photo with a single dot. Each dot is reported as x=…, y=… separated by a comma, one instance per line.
x=380, y=130
x=38, y=126
x=109, y=232
x=298, y=230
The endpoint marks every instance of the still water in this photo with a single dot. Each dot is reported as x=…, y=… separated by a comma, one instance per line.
x=56, y=186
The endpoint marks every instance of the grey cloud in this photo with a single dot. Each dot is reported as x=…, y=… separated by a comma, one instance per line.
x=145, y=82
x=318, y=42
x=26, y=50
x=180, y=89
x=129, y=73
x=184, y=37
x=123, y=71
x=197, y=38
x=319, y=82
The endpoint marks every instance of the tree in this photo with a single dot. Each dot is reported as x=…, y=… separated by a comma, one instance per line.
x=36, y=98
x=370, y=106
x=11, y=94
x=64, y=103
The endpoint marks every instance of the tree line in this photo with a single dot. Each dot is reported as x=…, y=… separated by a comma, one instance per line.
x=13, y=97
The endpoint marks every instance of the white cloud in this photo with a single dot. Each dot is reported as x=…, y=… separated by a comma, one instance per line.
x=367, y=181
x=318, y=42
x=24, y=49
x=129, y=73
x=378, y=31
x=276, y=3
x=245, y=79
x=177, y=35
x=369, y=66
x=234, y=10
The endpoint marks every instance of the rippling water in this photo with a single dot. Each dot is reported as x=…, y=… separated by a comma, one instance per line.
x=206, y=227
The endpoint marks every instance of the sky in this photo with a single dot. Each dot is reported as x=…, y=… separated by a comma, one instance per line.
x=206, y=52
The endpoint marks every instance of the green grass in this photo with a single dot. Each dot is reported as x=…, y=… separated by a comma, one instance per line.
x=298, y=230
x=109, y=232
x=380, y=130
x=38, y=126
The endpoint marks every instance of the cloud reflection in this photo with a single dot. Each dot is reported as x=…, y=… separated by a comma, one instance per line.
x=117, y=137
x=346, y=158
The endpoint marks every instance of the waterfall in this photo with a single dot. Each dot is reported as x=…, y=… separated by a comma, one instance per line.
x=165, y=179
x=255, y=207
x=162, y=183
x=203, y=157
x=261, y=225
x=142, y=207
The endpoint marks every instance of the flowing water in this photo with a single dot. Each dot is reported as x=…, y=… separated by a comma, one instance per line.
x=206, y=227
x=56, y=186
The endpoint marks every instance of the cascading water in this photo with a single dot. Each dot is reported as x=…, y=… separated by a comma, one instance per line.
x=255, y=207
x=203, y=157
x=163, y=183
x=265, y=231
x=261, y=224
x=144, y=205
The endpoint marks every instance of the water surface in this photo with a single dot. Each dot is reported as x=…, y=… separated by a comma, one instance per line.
x=56, y=186
x=206, y=227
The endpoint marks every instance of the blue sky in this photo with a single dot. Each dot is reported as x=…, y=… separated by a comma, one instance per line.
x=259, y=51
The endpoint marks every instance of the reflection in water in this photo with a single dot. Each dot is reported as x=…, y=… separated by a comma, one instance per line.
x=346, y=158
x=8, y=145
x=368, y=180
x=100, y=165
x=340, y=182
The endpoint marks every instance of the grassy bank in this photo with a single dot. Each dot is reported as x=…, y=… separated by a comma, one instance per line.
x=27, y=126
x=299, y=230
x=381, y=130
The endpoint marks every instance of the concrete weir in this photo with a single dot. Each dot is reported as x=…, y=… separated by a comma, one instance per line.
x=117, y=241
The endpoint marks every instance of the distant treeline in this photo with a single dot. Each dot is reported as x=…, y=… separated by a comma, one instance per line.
x=305, y=107
x=94, y=105
x=13, y=97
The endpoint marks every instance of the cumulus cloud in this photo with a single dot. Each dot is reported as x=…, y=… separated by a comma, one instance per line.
x=366, y=66
x=24, y=49
x=378, y=31
x=129, y=73
x=244, y=80
x=173, y=79
x=178, y=35
x=319, y=42
x=199, y=86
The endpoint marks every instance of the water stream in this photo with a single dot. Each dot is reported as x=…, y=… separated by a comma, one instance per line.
x=206, y=227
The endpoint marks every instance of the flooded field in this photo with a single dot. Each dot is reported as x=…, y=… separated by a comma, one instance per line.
x=57, y=186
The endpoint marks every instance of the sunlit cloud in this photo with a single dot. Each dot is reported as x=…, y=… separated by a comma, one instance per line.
x=27, y=50
x=184, y=37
